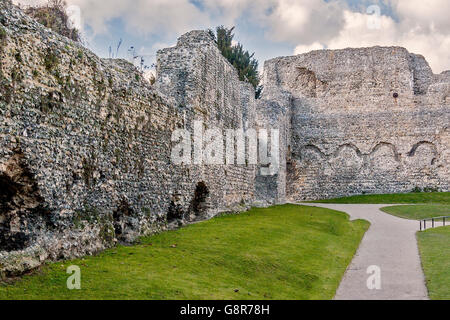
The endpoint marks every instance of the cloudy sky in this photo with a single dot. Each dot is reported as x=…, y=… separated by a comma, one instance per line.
x=270, y=28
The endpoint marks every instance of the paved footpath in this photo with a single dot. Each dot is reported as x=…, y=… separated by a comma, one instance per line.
x=390, y=244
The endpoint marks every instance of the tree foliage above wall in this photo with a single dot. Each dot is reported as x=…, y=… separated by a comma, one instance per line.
x=241, y=59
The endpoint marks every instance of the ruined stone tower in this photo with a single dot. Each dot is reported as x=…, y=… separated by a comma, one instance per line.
x=369, y=120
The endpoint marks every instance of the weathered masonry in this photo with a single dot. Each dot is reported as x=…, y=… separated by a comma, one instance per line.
x=85, y=142
x=369, y=120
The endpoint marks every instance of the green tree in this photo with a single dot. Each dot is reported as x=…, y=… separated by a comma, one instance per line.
x=244, y=62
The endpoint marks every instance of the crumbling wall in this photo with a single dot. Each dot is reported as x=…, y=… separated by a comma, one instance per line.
x=274, y=114
x=205, y=87
x=85, y=145
x=80, y=138
x=369, y=120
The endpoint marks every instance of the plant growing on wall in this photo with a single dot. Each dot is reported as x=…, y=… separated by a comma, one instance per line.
x=241, y=59
x=53, y=15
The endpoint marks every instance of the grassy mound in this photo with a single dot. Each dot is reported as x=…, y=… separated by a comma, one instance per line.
x=403, y=198
x=435, y=252
x=283, y=252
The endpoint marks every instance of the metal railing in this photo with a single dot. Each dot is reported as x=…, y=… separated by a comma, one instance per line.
x=423, y=222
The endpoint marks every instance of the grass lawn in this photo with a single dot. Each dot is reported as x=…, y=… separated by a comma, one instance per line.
x=434, y=197
x=419, y=212
x=435, y=252
x=284, y=252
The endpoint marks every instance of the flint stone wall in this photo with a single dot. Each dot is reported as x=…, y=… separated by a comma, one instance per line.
x=205, y=87
x=85, y=144
x=369, y=120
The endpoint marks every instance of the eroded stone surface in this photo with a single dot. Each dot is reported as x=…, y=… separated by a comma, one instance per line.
x=369, y=120
x=95, y=143
x=85, y=143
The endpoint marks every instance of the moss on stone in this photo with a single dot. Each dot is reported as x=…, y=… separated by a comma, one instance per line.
x=51, y=60
x=107, y=233
x=16, y=75
x=7, y=92
x=18, y=57
x=88, y=215
x=101, y=87
x=80, y=54
x=147, y=212
x=3, y=36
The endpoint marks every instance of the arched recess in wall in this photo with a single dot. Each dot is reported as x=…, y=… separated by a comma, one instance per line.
x=311, y=158
x=311, y=152
x=347, y=160
x=310, y=161
x=444, y=140
x=175, y=211
x=303, y=82
x=384, y=157
x=345, y=146
x=423, y=154
x=201, y=201
x=389, y=146
x=120, y=217
x=20, y=204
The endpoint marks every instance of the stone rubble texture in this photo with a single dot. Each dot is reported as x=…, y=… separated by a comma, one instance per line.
x=369, y=120
x=85, y=142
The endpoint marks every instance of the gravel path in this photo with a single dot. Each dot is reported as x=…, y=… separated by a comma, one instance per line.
x=389, y=244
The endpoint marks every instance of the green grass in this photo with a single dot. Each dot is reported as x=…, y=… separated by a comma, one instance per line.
x=419, y=212
x=284, y=252
x=435, y=252
x=432, y=197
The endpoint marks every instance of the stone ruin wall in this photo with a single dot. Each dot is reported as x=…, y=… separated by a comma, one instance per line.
x=274, y=113
x=349, y=134
x=85, y=143
x=205, y=87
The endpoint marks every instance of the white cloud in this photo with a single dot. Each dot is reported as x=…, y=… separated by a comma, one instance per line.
x=143, y=16
x=307, y=48
x=422, y=27
x=357, y=33
x=139, y=16
x=304, y=21
x=424, y=16
x=418, y=36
